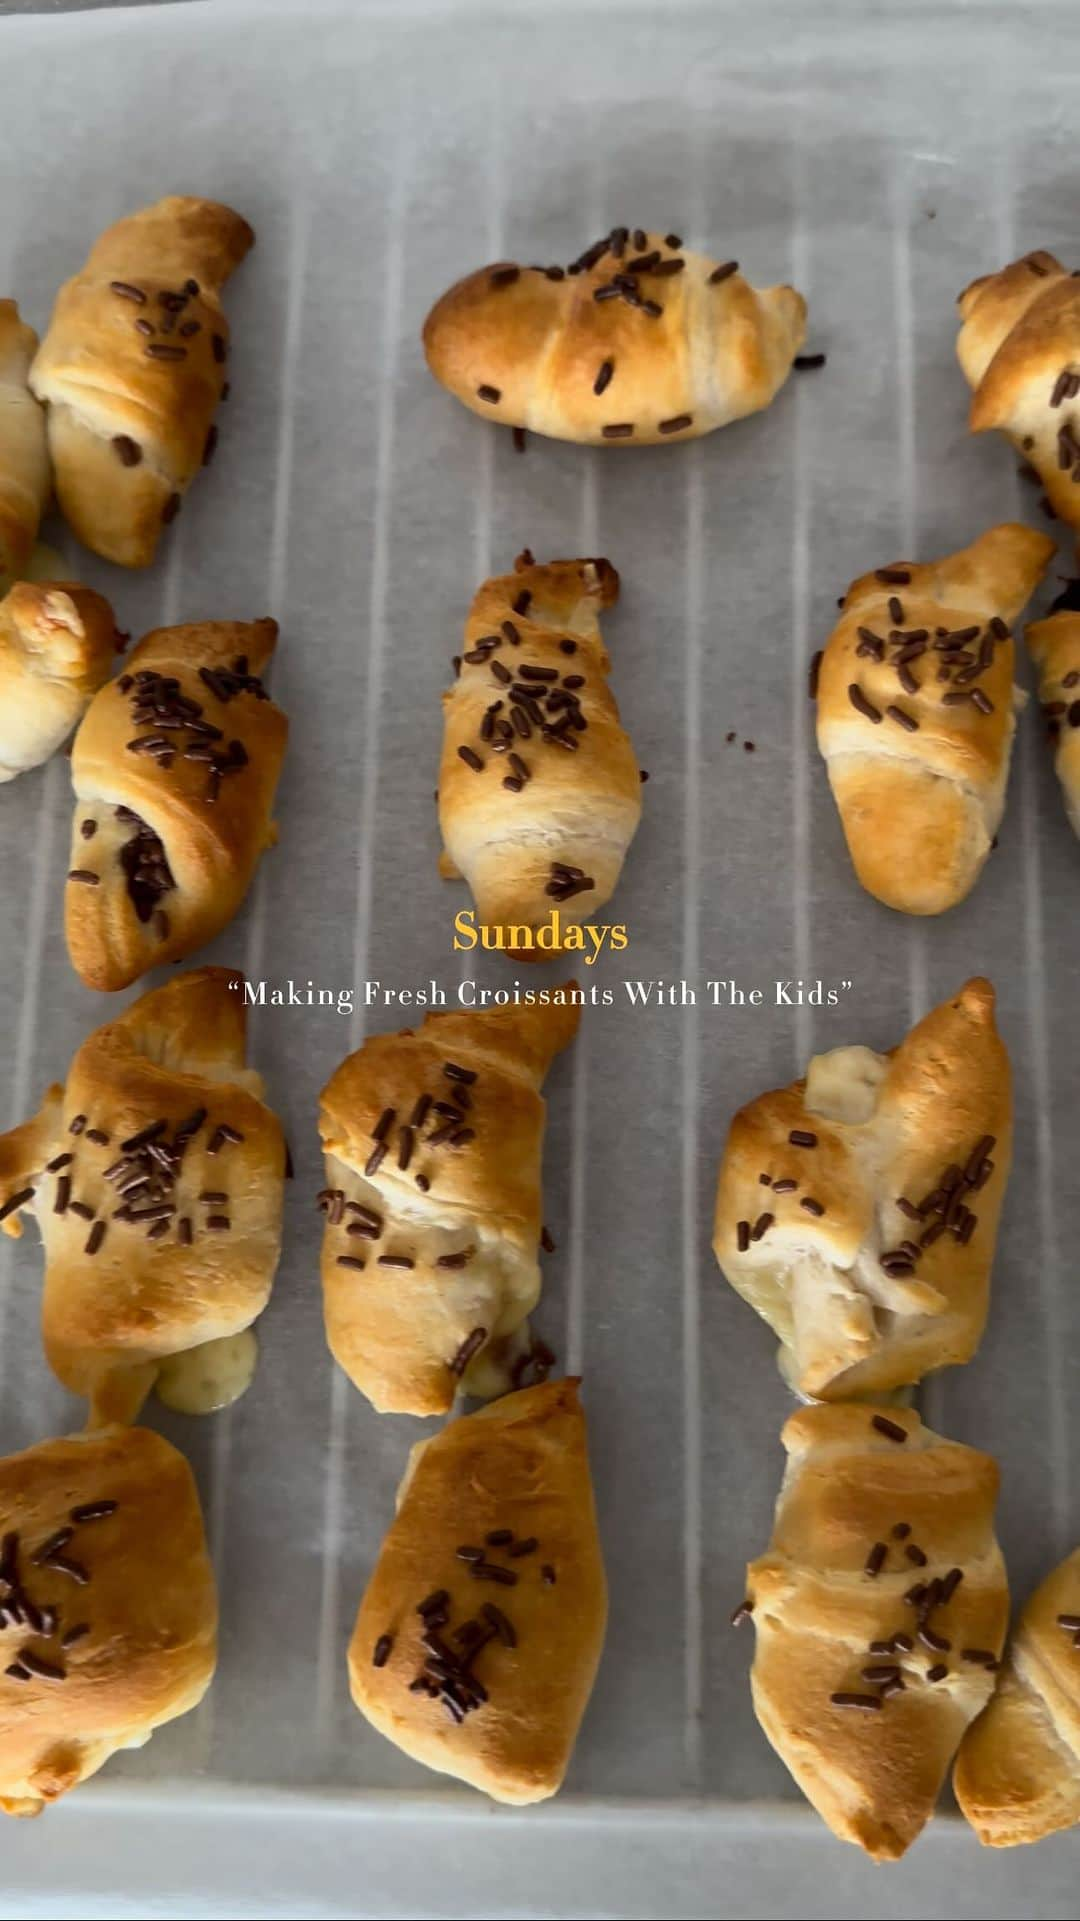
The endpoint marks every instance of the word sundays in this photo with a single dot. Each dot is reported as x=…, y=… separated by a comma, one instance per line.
x=728, y=993
x=551, y=937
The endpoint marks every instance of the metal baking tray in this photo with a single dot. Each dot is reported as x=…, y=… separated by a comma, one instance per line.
x=879, y=158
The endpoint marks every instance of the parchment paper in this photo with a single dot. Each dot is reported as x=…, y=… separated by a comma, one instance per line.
x=879, y=158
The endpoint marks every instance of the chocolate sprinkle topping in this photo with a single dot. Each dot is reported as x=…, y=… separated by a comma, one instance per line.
x=470, y=1346
x=891, y=1429
x=864, y=706
x=15, y=1201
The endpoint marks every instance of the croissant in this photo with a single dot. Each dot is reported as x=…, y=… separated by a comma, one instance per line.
x=857, y=1209
x=132, y=368
x=24, y=459
x=539, y=789
x=56, y=648
x=880, y=1608
x=637, y=341
x=174, y=768
x=1017, y=1775
x=915, y=704
x=109, y=1608
x=1018, y=344
x=499, y=1503
x=1054, y=645
x=433, y=1144
x=155, y=1175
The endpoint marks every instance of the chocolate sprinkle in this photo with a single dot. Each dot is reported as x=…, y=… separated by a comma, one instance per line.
x=469, y=1346
x=93, y=1511
x=891, y=1429
x=504, y=1628
x=864, y=706
x=15, y=1201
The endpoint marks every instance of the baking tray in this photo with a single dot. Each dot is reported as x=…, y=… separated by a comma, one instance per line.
x=879, y=158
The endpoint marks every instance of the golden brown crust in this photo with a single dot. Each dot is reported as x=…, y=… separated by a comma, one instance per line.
x=25, y=480
x=56, y=648
x=1017, y=1775
x=212, y=827
x=470, y=1188
x=822, y=1619
x=147, y=1604
x=847, y=1325
x=530, y=351
x=130, y=412
x=1018, y=344
x=112, y=1312
x=920, y=806
x=1054, y=645
x=579, y=808
x=521, y=1464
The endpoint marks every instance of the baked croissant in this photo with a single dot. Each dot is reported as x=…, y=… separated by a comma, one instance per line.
x=174, y=769
x=915, y=719
x=1054, y=645
x=429, y=1261
x=24, y=459
x=1017, y=1775
x=1018, y=345
x=479, y=1636
x=539, y=789
x=880, y=1609
x=133, y=366
x=638, y=340
x=56, y=648
x=857, y=1209
x=156, y=1176
x=107, y=1606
